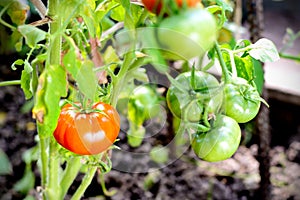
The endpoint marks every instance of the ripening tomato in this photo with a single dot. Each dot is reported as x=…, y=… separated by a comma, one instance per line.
x=87, y=133
x=155, y=6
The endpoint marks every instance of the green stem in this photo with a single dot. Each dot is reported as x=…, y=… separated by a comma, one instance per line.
x=225, y=71
x=241, y=50
x=118, y=82
x=53, y=189
x=70, y=173
x=86, y=181
x=50, y=163
x=4, y=22
x=291, y=57
x=8, y=83
x=105, y=191
x=55, y=39
x=44, y=161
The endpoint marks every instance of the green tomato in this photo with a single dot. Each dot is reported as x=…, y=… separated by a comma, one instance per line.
x=188, y=34
x=202, y=80
x=241, y=100
x=220, y=142
x=143, y=104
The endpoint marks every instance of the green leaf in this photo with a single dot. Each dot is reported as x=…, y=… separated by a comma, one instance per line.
x=110, y=55
x=26, y=183
x=17, y=12
x=89, y=17
x=242, y=43
x=223, y=7
x=264, y=50
x=71, y=62
x=17, y=62
x=5, y=166
x=32, y=34
x=25, y=84
x=17, y=40
x=118, y=13
x=52, y=86
x=259, y=75
x=86, y=80
x=244, y=67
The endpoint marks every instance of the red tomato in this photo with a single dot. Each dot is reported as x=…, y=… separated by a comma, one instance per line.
x=156, y=5
x=87, y=133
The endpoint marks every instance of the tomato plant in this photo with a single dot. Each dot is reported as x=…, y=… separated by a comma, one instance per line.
x=241, y=100
x=220, y=142
x=87, y=132
x=155, y=6
x=189, y=34
x=79, y=58
x=203, y=84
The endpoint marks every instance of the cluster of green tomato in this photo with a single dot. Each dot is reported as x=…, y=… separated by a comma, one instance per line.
x=214, y=111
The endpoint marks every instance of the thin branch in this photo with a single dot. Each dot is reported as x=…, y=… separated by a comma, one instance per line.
x=7, y=83
x=114, y=28
x=40, y=7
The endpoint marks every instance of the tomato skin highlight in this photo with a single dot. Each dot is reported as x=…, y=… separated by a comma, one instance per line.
x=155, y=6
x=219, y=143
x=87, y=133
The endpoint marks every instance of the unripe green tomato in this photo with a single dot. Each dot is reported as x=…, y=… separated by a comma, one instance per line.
x=143, y=104
x=220, y=142
x=189, y=34
x=241, y=100
x=202, y=80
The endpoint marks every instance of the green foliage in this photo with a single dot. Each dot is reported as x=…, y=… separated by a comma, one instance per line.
x=5, y=166
x=96, y=50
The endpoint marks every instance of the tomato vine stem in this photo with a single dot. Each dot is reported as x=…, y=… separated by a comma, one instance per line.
x=225, y=72
x=70, y=173
x=8, y=83
x=53, y=188
x=4, y=22
x=290, y=57
x=85, y=183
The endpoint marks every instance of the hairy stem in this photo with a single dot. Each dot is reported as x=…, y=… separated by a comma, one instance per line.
x=225, y=72
x=290, y=57
x=7, y=83
x=70, y=173
x=53, y=189
x=86, y=181
x=44, y=161
x=4, y=22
